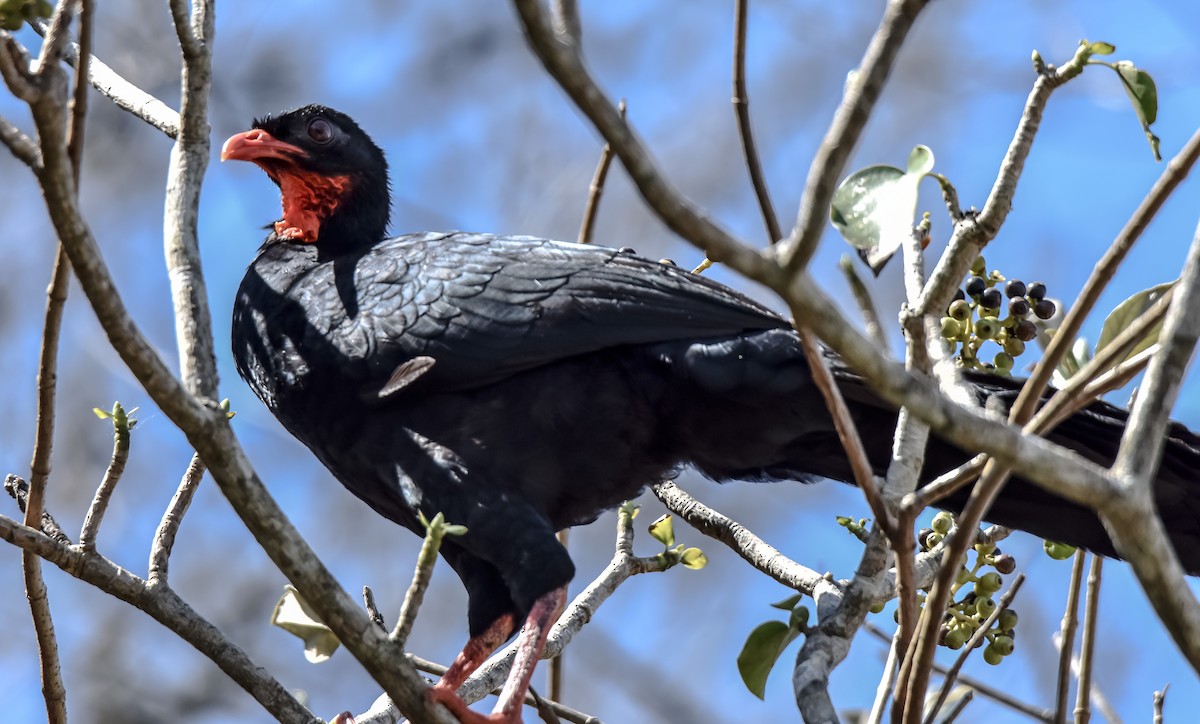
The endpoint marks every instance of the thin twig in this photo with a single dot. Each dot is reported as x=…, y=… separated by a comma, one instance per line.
x=16, y=487
x=1000, y=697
x=185, y=175
x=1087, y=647
x=373, y=609
x=959, y=705
x=866, y=305
x=1070, y=622
x=741, y=108
x=22, y=146
x=751, y=548
x=164, y=537
x=121, y=423
x=435, y=530
x=596, y=189
x=560, y=55
x=121, y=92
x=1175, y=172
x=847, y=431
x=1160, y=697
x=980, y=633
x=863, y=88
x=164, y=606
x=974, y=230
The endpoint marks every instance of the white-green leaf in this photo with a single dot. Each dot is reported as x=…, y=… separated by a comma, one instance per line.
x=1129, y=310
x=1102, y=48
x=293, y=614
x=874, y=208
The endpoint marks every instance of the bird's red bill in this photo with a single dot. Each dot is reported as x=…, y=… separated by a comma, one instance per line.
x=308, y=197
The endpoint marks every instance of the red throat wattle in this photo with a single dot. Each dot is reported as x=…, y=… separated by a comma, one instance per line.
x=308, y=199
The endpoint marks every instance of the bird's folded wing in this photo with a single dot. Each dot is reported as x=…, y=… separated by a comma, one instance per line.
x=484, y=308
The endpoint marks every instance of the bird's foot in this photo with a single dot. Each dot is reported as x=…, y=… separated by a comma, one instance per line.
x=448, y=698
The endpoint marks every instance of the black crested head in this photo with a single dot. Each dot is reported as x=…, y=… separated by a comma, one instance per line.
x=332, y=178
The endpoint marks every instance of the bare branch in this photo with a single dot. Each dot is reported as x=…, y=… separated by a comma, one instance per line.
x=164, y=606
x=866, y=305
x=22, y=147
x=14, y=68
x=974, y=231
x=741, y=107
x=1087, y=647
x=116, y=467
x=164, y=537
x=1000, y=697
x=121, y=92
x=1175, y=172
x=58, y=36
x=561, y=57
x=750, y=547
x=185, y=175
x=1070, y=623
x=435, y=530
x=863, y=88
x=16, y=487
x=596, y=189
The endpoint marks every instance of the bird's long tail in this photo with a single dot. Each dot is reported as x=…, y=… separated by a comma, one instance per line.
x=765, y=419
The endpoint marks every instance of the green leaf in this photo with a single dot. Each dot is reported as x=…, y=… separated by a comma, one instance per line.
x=455, y=529
x=760, y=652
x=1129, y=310
x=693, y=558
x=788, y=603
x=663, y=531
x=102, y=414
x=1102, y=48
x=920, y=161
x=1144, y=96
x=293, y=614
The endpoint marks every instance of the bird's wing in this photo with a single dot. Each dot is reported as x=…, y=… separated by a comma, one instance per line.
x=472, y=309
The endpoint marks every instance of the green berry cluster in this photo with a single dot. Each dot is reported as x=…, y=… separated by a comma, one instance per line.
x=966, y=613
x=974, y=317
x=14, y=13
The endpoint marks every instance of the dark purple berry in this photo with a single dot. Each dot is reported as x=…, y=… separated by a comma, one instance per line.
x=975, y=286
x=1036, y=291
x=1018, y=306
x=1005, y=564
x=1044, y=309
x=1014, y=288
x=1025, y=330
x=627, y=250
x=991, y=298
x=958, y=294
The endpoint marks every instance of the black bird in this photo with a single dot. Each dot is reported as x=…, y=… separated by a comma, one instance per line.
x=521, y=386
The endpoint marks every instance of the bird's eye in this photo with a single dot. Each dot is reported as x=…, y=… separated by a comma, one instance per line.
x=320, y=130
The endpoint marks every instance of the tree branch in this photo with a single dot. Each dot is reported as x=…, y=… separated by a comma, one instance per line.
x=185, y=175
x=22, y=147
x=164, y=606
x=164, y=537
x=741, y=108
x=863, y=88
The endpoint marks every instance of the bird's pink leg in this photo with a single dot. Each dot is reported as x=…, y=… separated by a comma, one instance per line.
x=530, y=644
